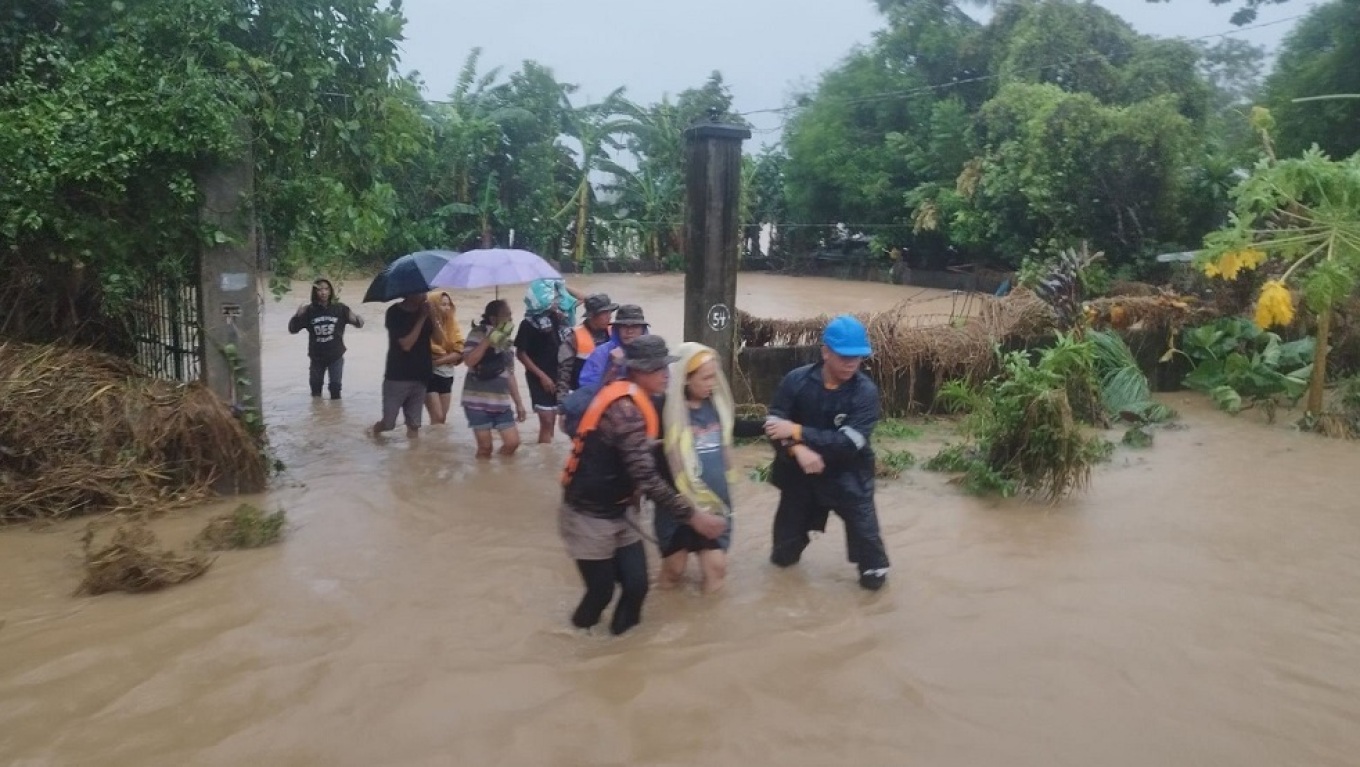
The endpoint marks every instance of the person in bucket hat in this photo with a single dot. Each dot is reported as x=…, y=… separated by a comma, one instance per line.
x=606, y=363
x=613, y=461
x=821, y=421
x=581, y=342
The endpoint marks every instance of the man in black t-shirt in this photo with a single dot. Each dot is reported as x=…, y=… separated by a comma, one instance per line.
x=409, y=363
x=324, y=319
x=538, y=341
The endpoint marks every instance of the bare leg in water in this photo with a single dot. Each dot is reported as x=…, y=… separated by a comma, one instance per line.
x=712, y=568
x=437, y=409
x=483, y=437
x=672, y=570
x=509, y=441
x=713, y=565
x=547, y=422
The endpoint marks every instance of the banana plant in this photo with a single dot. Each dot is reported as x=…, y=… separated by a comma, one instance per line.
x=596, y=128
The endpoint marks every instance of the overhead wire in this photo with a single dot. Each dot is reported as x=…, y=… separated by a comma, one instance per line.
x=1068, y=61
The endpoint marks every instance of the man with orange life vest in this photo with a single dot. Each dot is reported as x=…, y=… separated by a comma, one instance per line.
x=613, y=460
x=578, y=344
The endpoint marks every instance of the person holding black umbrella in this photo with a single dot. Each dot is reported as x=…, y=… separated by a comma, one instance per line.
x=409, y=362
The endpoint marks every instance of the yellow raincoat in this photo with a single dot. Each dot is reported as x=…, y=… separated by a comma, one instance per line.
x=678, y=438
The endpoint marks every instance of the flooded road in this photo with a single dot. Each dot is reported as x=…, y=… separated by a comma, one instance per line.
x=1199, y=605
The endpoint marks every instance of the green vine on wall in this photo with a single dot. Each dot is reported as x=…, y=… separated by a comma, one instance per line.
x=244, y=406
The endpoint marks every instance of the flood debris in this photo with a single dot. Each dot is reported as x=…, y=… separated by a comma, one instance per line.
x=134, y=561
x=82, y=432
x=247, y=527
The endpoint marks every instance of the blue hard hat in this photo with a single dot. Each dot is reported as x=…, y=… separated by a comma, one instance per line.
x=847, y=337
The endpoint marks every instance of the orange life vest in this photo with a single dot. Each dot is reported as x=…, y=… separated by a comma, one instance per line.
x=585, y=342
x=607, y=396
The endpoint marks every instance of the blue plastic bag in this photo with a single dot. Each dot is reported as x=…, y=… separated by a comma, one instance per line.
x=541, y=294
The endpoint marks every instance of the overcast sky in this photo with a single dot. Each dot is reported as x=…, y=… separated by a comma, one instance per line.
x=764, y=48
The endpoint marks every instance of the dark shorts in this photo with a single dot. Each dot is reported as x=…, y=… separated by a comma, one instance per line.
x=439, y=385
x=674, y=536
x=542, y=399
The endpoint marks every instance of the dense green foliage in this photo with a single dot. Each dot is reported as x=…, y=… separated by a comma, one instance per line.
x=1024, y=434
x=1052, y=124
x=110, y=112
x=1320, y=57
x=1241, y=366
x=944, y=139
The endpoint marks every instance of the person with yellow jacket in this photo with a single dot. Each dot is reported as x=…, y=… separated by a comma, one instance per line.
x=446, y=352
x=698, y=426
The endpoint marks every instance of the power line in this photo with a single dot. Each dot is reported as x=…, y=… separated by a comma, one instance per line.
x=776, y=224
x=885, y=95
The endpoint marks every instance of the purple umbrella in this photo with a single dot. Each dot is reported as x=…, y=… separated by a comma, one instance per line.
x=493, y=267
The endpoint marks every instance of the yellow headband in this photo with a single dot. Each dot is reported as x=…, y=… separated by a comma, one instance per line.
x=697, y=361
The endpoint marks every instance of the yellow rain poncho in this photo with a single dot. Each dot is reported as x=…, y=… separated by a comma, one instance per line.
x=678, y=438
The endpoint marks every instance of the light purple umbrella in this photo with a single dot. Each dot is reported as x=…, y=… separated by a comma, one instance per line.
x=493, y=267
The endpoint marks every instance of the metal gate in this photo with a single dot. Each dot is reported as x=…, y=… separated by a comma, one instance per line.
x=168, y=331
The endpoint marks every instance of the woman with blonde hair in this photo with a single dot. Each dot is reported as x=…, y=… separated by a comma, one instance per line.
x=699, y=424
x=447, y=352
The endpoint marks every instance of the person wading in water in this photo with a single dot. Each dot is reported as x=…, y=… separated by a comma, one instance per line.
x=542, y=332
x=699, y=423
x=491, y=398
x=605, y=364
x=613, y=460
x=325, y=320
x=821, y=419
x=445, y=356
x=409, y=363
x=581, y=342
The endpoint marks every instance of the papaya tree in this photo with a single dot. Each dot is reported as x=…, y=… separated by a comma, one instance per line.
x=1299, y=220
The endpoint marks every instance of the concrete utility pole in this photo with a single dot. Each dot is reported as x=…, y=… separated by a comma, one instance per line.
x=713, y=235
x=229, y=293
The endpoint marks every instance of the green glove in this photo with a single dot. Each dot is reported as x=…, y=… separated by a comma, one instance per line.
x=500, y=336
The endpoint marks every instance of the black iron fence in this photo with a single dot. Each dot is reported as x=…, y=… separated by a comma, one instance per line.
x=167, y=330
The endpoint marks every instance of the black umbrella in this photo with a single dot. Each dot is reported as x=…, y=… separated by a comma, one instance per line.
x=408, y=275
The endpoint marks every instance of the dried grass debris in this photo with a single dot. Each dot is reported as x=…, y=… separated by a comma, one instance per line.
x=82, y=432
x=909, y=346
x=134, y=562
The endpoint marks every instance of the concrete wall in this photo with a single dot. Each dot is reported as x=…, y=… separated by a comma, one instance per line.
x=230, y=294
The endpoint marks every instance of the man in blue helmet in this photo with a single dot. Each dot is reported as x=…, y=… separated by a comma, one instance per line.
x=821, y=420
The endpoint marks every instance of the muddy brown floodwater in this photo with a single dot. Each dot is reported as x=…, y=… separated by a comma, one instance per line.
x=1200, y=605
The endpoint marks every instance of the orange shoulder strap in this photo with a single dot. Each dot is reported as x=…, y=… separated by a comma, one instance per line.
x=607, y=396
x=585, y=342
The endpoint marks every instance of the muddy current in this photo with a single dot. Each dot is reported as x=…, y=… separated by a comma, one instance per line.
x=1199, y=605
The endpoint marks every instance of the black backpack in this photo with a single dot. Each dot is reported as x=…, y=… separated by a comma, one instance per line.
x=492, y=365
x=574, y=408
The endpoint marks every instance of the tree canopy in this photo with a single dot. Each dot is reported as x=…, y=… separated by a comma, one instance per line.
x=942, y=138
